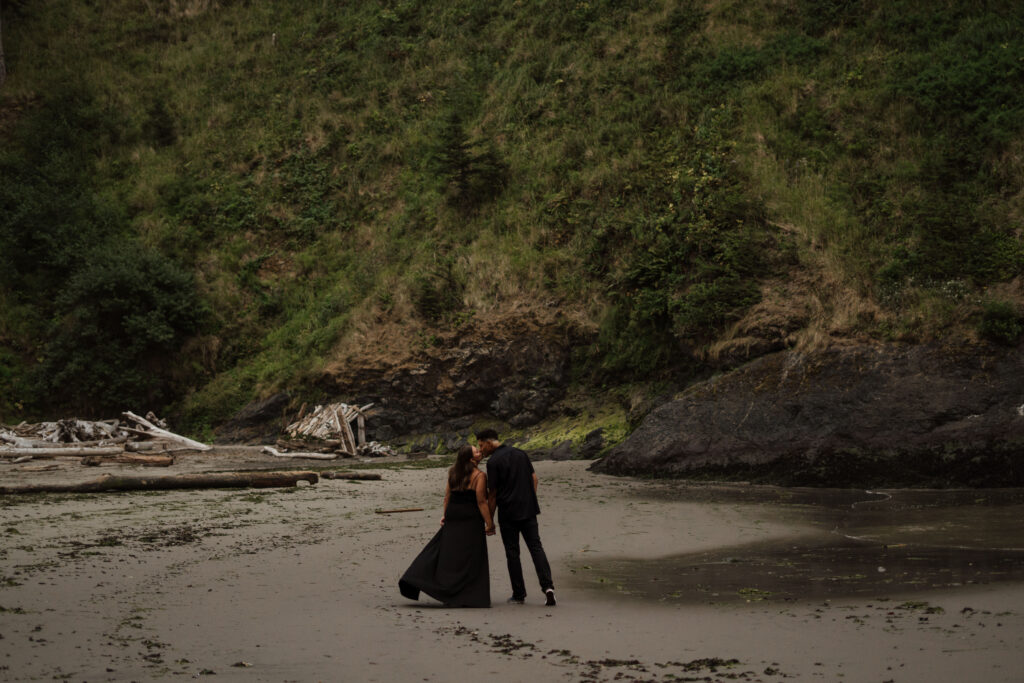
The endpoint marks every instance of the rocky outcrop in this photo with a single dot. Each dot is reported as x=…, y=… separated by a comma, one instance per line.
x=259, y=422
x=512, y=370
x=851, y=415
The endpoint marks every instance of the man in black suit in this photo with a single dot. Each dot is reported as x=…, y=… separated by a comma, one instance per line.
x=512, y=490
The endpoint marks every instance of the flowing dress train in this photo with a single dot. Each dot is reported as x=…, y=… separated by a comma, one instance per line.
x=453, y=566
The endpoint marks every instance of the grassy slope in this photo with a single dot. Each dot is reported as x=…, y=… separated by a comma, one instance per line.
x=321, y=166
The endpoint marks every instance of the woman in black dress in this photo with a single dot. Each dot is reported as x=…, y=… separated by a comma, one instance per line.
x=453, y=567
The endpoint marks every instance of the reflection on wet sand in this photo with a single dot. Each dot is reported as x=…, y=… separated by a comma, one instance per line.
x=865, y=544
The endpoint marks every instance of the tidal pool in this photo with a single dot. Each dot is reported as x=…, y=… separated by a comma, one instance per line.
x=870, y=544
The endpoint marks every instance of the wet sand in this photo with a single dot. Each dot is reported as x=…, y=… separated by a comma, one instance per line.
x=301, y=585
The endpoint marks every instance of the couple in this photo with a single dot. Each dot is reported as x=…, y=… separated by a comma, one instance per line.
x=453, y=566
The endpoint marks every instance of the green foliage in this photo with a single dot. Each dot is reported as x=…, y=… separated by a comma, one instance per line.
x=1001, y=323
x=695, y=263
x=470, y=168
x=970, y=81
x=120, y=321
x=437, y=294
x=309, y=160
x=47, y=191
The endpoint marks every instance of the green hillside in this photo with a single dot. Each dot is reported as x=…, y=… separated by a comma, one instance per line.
x=202, y=202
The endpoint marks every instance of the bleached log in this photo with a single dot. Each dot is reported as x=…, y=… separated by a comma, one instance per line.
x=341, y=432
x=73, y=430
x=17, y=441
x=353, y=447
x=109, y=482
x=156, y=445
x=101, y=443
x=308, y=424
x=141, y=432
x=61, y=452
x=164, y=433
x=332, y=421
x=314, y=456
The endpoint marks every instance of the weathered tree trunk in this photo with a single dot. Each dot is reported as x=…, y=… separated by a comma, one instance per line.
x=327, y=446
x=39, y=468
x=129, y=459
x=61, y=452
x=109, y=482
x=315, y=456
x=361, y=476
x=70, y=446
x=153, y=430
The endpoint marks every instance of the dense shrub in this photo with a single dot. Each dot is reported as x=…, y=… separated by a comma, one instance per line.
x=50, y=209
x=120, y=323
x=695, y=261
x=1001, y=323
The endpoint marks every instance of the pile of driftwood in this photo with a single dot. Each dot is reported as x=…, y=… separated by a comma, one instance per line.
x=327, y=433
x=133, y=439
x=146, y=441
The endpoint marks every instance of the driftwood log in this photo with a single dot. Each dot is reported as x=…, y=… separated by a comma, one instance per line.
x=62, y=452
x=330, y=421
x=27, y=444
x=109, y=482
x=325, y=446
x=153, y=430
x=270, y=450
x=39, y=468
x=163, y=446
x=129, y=459
x=360, y=476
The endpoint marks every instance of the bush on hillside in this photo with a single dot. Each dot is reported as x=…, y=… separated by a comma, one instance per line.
x=1001, y=323
x=120, y=322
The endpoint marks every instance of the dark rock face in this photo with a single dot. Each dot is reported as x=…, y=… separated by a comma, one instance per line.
x=258, y=422
x=563, y=451
x=845, y=416
x=592, y=444
x=515, y=372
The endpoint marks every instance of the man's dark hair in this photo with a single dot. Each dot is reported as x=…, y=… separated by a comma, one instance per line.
x=487, y=435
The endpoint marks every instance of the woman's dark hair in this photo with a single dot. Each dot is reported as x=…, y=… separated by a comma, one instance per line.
x=462, y=470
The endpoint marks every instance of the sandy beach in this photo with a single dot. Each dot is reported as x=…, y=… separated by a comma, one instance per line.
x=301, y=585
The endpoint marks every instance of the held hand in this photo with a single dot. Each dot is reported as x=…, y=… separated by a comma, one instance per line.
x=489, y=530
x=442, y=520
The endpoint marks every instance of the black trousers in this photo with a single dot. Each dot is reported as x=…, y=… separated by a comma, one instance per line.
x=510, y=531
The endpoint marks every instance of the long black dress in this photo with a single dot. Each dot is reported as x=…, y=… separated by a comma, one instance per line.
x=453, y=567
